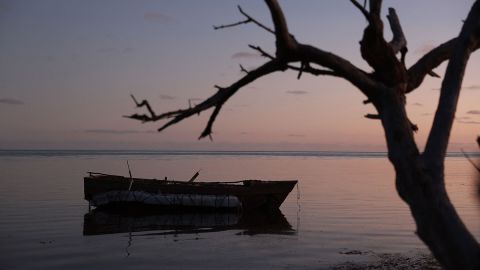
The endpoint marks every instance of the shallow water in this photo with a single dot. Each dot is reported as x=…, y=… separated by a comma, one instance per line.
x=344, y=203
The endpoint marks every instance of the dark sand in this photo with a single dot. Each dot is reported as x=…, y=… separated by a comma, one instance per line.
x=389, y=262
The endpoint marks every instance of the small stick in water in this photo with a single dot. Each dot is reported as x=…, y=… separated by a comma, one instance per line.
x=194, y=176
x=471, y=161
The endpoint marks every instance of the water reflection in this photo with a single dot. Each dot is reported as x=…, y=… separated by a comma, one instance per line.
x=99, y=222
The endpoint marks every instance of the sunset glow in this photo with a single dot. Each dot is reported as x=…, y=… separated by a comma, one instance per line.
x=67, y=69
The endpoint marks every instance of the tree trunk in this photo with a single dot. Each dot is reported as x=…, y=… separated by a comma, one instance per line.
x=439, y=225
x=420, y=183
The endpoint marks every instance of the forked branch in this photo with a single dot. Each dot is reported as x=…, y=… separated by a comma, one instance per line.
x=399, y=42
x=362, y=9
x=288, y=51
x=249, y=19
x=467, y=42
x=305, y=66
x=216, y=101
x=341, y=67
x=425, y=65
x=146, y=104
x=376, y=51
x=284, y=41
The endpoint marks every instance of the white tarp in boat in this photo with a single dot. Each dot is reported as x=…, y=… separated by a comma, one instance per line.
x=190, y=200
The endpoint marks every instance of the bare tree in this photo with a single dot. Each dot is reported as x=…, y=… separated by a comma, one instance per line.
x=419, y=176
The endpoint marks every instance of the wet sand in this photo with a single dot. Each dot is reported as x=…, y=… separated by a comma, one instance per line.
x=389, y=261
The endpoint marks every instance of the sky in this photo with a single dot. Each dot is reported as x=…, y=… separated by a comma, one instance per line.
x=68, y=67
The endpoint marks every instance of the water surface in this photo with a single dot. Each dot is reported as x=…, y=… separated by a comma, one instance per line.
x=346, y=202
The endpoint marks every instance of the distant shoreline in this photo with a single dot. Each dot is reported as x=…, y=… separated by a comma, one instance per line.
x=276, y=153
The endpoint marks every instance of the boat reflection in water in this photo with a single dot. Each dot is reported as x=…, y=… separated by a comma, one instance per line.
x=101, y=221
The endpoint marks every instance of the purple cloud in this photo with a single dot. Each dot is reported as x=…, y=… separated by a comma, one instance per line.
x=296, y=135
x=167, y=97
x=245, y=55
x=472, y=87
x=112, y=131
x=11, y=101
x=425, y=48
x=468, y=122
x=474, y=112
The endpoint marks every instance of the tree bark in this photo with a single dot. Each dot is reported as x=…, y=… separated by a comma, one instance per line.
x=420, y=178
x=423, y=189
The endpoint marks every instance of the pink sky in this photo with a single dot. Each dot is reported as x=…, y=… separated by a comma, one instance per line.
x=67, y=70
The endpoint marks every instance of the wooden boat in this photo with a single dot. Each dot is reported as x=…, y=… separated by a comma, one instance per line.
x=113, y=191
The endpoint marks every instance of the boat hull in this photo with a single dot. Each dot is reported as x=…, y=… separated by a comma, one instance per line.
x=118, y=191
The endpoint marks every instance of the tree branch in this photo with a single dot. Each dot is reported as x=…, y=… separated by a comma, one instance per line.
x=398, y=42
x=341, y=67
x=377, y=52
x=306, y=67
x=372, y=116
x=466, y=43
x=217, y=100
x=146, y=104
x=288, y=50
x=261, y=51
x=362, y=9
x=208, y=129
x=249, y=19
x=217, y=27
x=375, y=8
x=242, y=69
x=425, y=65
x=284, y=41
x=255, y=21
x=432, y=73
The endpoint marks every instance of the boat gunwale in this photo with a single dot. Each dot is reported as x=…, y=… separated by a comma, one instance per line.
x=98, y=176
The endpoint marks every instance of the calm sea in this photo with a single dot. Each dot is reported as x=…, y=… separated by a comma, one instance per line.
x=345, y=209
